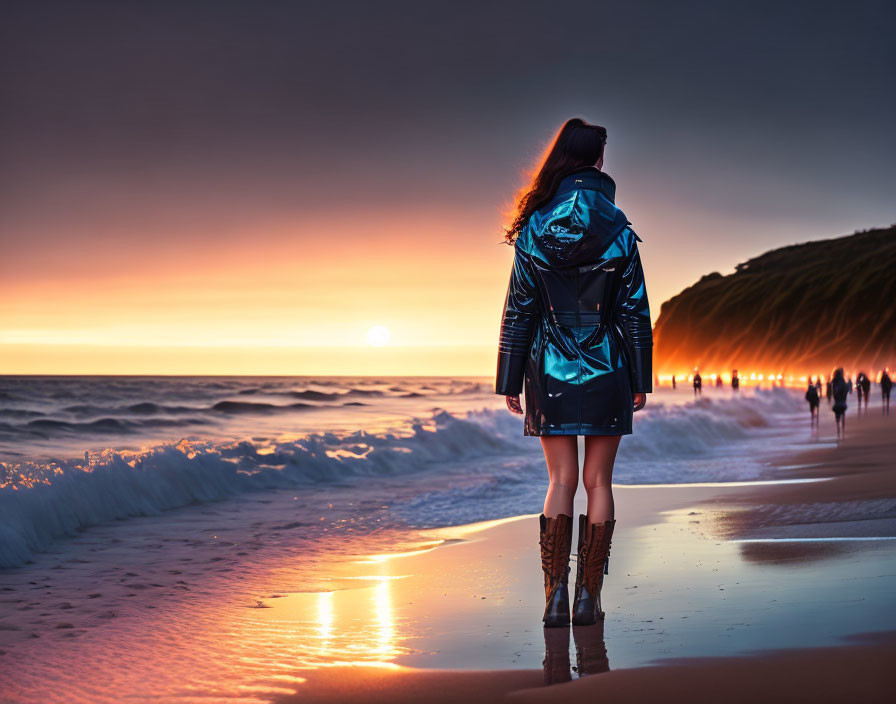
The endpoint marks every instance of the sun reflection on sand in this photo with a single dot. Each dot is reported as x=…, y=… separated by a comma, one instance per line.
x=325, y=616
x=385, y=620
x=356, y=627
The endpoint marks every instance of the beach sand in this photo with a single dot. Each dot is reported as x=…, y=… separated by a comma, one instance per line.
x=704, y=602
x=824, y=609
x=858, y=499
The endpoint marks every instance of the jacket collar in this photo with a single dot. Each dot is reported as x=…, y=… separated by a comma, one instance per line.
x=589, y=177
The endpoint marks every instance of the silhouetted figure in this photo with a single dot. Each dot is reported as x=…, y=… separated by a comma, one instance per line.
x=673, y=382
x=886, y=384
x=698, y=384
x=818, y=386
x=840, y=388
x=719, y=381
x=735, y=380
x=812, y=398
x=866, y=388
x=827, y=390
x=858, y=389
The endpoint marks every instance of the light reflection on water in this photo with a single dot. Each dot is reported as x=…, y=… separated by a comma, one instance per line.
x=343, y=627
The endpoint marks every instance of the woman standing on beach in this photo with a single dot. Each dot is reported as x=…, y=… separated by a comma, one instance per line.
x=576, y=330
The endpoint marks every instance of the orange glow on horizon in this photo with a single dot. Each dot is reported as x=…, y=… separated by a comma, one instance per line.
x=361, y=360
x=271, y=303
x=279, y=298
x=763, y=379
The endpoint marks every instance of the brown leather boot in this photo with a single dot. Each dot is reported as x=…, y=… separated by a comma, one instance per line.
x=592, y=564
x=555, y=541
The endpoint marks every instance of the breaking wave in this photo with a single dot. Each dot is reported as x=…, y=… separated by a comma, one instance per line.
x=40, y=503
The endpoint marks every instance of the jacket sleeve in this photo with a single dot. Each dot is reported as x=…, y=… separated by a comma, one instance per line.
x=633, y=314
x=521, y=312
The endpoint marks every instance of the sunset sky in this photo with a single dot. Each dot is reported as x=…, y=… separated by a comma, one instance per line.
x=249, y=187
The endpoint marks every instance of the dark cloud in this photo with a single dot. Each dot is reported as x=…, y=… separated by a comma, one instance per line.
x=757, y=109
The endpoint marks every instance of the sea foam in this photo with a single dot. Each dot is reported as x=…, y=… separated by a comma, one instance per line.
x=41, y=503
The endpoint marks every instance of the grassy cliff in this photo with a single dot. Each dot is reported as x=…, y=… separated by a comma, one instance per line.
x=800, y=309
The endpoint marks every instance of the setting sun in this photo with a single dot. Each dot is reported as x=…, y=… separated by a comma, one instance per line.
x=378, y=336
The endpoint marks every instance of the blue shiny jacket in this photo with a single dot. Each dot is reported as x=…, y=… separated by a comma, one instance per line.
x=576, y=322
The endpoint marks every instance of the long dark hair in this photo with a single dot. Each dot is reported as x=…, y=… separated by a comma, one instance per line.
x=577, y=144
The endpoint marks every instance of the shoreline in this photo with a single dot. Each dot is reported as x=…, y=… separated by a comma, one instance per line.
x=855, y=499
x=456, y=616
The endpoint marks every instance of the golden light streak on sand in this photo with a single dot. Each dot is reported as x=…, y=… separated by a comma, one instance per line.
x=382, y=598
x=464, y=532
x=325, y=619
x=341, y=627
x=349, y=644
x=422, y=548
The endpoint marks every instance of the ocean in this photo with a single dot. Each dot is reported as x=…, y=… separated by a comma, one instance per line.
x=395, y=452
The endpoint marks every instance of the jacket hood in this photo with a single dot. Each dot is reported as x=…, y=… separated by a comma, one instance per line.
x=580, y=223
x=589, y=177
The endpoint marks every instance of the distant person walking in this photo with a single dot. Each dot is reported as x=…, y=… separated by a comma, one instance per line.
x=866, y=388
x=886, y=384
x=818, y=386
x=719, y=381
x=812, y=398
x=673, y=382
x=840, y=389
x=827, y=390
x=698, y=384
x=735, y=380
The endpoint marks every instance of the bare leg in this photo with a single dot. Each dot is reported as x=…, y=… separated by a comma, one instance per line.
x=562, y=455
x=597, y=475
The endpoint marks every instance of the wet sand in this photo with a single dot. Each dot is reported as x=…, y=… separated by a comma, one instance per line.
x=859, y=672
x=807, y=620
x=858, y=498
